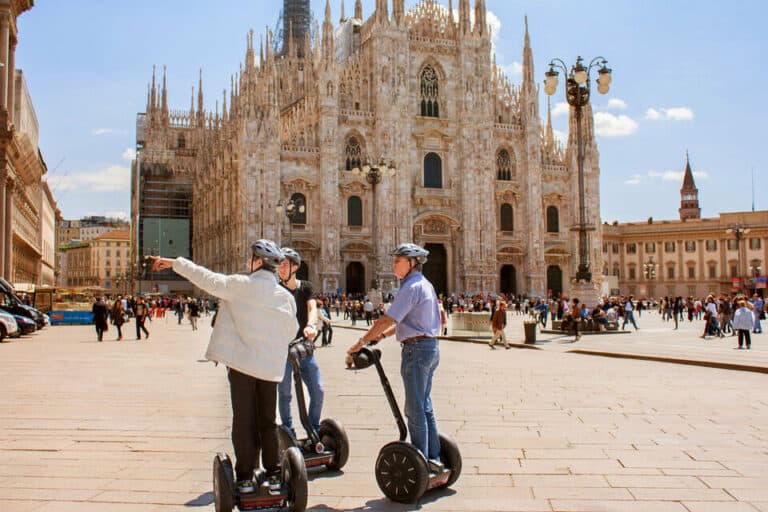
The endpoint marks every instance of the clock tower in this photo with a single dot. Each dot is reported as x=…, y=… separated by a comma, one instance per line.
x=689, y=195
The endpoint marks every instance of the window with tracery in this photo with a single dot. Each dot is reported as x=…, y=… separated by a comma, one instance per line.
x=352, y=154
x=430, y=92
x=354, y=211
x=507, y=217
x=181, y=143
x=505, y=165
x=433, y=171
x=553, y=220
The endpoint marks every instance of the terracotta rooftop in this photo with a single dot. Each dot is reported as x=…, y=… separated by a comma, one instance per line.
x=115, y=234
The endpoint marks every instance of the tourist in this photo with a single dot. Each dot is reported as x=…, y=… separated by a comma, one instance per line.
x=118, y=317
x=758, y=311
x=629, y=316
x=498, y=323
x=140, y=310
x=100, y=316
x=306, y=316
x=251, y=339
x=743, y=322
x=414, y=317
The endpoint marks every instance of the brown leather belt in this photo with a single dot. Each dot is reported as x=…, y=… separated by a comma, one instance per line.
x=415, y=339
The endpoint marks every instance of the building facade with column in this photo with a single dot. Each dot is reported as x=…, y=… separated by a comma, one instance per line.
x=480, y=180
x=102, y=262
x=25, y=206
x=689, y=256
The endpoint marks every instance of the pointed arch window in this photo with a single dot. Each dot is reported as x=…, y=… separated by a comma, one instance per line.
x=553, y=220
x=433, y=171
x=181, y=143
x=505, y=165
x=352, y=154
x=430, y=92
x=354, y=211
x=507, y=217
x=299, y=216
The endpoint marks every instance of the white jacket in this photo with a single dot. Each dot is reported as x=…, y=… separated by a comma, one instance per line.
x=256, y=320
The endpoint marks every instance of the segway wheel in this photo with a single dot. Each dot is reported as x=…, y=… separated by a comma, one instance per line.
x=294, y=474
x=334, y=437
x=223, y=484
x=402, y=472
x=451, y=457
x=284, y=440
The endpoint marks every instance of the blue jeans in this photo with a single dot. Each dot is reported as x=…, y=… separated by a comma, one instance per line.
x=419, y=362
x=629, y=316
x=310, y=374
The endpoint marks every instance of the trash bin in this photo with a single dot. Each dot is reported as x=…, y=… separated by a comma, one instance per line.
x=530, y=332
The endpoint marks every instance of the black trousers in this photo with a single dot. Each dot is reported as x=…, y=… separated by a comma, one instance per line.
x=253, y=424
x=744, y=336
x=327, y=334
x=140, y=327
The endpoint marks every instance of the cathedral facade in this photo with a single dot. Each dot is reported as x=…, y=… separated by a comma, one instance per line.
x=478, y=179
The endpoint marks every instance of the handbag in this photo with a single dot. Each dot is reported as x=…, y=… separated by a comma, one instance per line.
x=301, y=348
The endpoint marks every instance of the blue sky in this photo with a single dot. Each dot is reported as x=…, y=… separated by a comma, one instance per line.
x=688, y=75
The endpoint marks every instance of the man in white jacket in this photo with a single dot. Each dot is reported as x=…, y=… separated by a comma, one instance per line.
x=255, y=323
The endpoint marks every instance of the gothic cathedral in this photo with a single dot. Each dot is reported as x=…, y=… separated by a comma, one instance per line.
x=463, y=163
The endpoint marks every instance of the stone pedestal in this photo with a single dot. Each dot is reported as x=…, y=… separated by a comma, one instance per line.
x=587, y=293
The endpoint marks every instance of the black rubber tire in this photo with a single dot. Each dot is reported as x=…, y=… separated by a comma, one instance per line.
x=223, y=484
x=294, y=474
x=451, y=457
x=402, y=472
x=334, y=437
x=284, y=440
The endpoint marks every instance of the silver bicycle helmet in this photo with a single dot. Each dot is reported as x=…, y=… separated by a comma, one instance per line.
x=292, y=255
x=411, y=251
x=269, y=252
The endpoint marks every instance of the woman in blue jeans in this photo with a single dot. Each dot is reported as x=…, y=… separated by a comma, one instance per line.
x=414, y=318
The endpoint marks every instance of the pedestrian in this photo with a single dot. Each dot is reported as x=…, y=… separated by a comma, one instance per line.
x=326, y=327
x=629, y=316
x=368, y=310
x=141, y=314
x=414, y=318
x=118, y=317
x=100, y=312
x=251, y=336
x=758, y=311
x=306, y=316
x=443, y=318
x=742, y=323
x=194, y=313
x=498, y=323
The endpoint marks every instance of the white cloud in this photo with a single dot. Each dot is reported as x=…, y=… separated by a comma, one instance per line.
x=609, y=125
x=560, y=109
x=108, y=131
x=616, y=103
x=669, y=114
x=673, y=176
x=117, y=215
x=114, y=178
x=129, y=154
x=515, y=69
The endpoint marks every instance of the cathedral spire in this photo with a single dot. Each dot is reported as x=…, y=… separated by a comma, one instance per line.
x=341, y=16
x=464, y=22
x=359, y=10
x=192, y=107
x=689, y=194
x=550, y=132
x=327, y=33
x=398, y=11
x=200, y=108
x=154, y=90
x=382, y=10
x=165, y=96
x=528, y=80
x=481, y=26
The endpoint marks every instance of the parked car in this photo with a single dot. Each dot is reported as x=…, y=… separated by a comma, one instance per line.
x=26, y=325
x=9, y=328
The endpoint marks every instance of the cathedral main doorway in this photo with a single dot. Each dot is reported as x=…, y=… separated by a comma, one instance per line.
x=355, y=278
x=436, y=267
x=555, y=280
x=508, y=280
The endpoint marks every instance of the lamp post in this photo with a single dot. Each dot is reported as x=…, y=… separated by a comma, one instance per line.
x=577, y=89
x=290, y=209
x=738, y=230
x=373, y=174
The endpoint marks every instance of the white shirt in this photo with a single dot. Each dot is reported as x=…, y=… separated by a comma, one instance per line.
x=255, y=323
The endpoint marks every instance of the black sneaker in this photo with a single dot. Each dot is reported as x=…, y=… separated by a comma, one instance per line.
x=245, y=486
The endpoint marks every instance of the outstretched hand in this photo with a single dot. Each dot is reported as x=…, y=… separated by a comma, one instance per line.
x=157, y=263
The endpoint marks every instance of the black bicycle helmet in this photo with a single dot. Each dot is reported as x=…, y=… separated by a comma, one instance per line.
x=292, y=255
x=269, y=252
x=411, y=251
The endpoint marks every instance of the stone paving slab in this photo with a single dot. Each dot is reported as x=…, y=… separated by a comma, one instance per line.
x=133, y=426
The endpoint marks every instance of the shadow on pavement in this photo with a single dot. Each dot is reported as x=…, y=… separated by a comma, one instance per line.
x=201, y=501
x=385, y=505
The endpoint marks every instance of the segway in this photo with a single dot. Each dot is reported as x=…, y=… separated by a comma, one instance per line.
x=327, y=447
x=402, y=471
x=291, y=496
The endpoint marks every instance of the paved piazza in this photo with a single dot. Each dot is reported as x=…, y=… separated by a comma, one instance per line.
x=134, y=426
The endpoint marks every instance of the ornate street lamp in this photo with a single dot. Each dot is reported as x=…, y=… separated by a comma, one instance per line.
x=577, y=88
x=738, y=230
x=373, y=174
x=290, y=209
